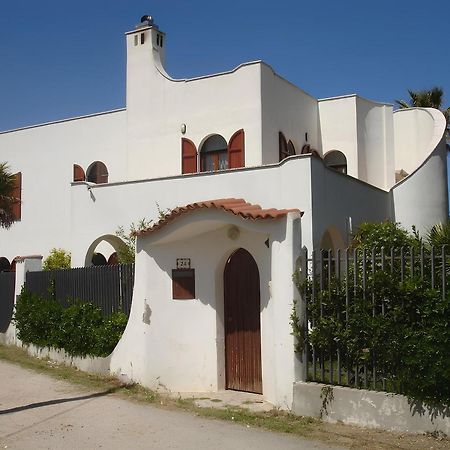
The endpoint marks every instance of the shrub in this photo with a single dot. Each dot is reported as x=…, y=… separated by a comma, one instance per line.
x=36, y=319
x=80, y=330
x=57, y=259
x=126, y=253
x=439, y=234
x=403, y=326
x=384, y=234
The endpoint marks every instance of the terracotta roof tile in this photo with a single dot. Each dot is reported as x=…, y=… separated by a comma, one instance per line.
x=236, y=206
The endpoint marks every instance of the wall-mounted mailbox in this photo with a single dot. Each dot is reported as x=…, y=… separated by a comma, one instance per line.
x=183, y=284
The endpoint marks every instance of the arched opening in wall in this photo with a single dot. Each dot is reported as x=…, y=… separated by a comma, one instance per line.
x=104, y=251
x=5, y=266
x=97, y=173
x=336, y=160
x=214, y=154
x=332, y=240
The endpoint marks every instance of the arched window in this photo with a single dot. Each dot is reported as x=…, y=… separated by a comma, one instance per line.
x=214, y=154
x=17, y=195
x=78, y=173
x=336, y=160
x=97, y=173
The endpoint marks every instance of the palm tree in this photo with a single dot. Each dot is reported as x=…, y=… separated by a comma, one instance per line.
x=431, y=98
x=7, y=199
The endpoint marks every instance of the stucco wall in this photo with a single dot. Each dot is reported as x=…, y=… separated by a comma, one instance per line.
x=45, y=155
x=102, y=209
x=288, y=109
x=338, y=129
x=338, y=199
x=363, y=131
x=422, y=198
x=157, y=105
x=375, y=143
x=414, y=129
x=368, y=409
x=179, y=344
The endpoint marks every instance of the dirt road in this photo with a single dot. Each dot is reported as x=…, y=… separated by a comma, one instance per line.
x=39, y=412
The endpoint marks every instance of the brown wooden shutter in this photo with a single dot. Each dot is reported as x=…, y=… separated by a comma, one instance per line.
x=282, y=146
x=78, y=173
x=188, y=156
x=236, y=150
x=17, y=195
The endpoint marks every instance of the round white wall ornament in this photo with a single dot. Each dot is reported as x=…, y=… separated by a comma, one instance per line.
x=233, y=232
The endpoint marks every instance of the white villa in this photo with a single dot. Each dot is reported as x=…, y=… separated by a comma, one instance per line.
x=254, y=169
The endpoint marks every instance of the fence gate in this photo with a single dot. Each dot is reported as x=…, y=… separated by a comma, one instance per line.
x=7, y=287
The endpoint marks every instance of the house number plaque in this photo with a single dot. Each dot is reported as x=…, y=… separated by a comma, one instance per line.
x=183, y=263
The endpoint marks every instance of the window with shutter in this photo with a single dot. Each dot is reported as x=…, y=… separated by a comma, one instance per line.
x=188, y=156
x=97, y=173
x=17, y=195
x=78, y=173
x=236, y=150
x=214, y=154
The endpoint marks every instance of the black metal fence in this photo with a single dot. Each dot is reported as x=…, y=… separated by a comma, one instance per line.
x=108, y=287
x=7, y=287
x=335, y=286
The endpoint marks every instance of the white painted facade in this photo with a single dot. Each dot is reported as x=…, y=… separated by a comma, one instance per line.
x=141, y=148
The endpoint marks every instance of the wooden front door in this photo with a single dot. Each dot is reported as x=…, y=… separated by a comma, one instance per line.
x=242, y=323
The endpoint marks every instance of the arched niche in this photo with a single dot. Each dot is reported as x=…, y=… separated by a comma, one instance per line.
x=97, y=173
x=336, y=160
x=106, y=245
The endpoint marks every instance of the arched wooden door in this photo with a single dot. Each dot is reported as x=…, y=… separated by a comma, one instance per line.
x=242, y=323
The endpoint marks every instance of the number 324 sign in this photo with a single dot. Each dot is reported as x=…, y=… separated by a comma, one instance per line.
x=183, y=263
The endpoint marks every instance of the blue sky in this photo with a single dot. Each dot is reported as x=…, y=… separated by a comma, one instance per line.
x=62, y=59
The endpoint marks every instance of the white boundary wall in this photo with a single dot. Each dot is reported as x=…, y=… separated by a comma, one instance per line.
x=367, y=409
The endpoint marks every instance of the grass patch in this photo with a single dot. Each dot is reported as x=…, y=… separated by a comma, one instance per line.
x=273, y=420
x=59, y=371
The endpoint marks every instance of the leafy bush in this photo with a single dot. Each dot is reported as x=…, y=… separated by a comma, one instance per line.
x=404, y=327
x=80, y=330
x=126, y=253
x=57, y=259
x=384, y=234
x=439, y=234
x=36, y=318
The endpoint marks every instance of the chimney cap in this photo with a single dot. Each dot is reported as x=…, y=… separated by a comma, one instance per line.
x=146, y=21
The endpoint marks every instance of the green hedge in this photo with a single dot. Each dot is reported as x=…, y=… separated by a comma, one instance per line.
x=80, y=330
x=409, y=340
